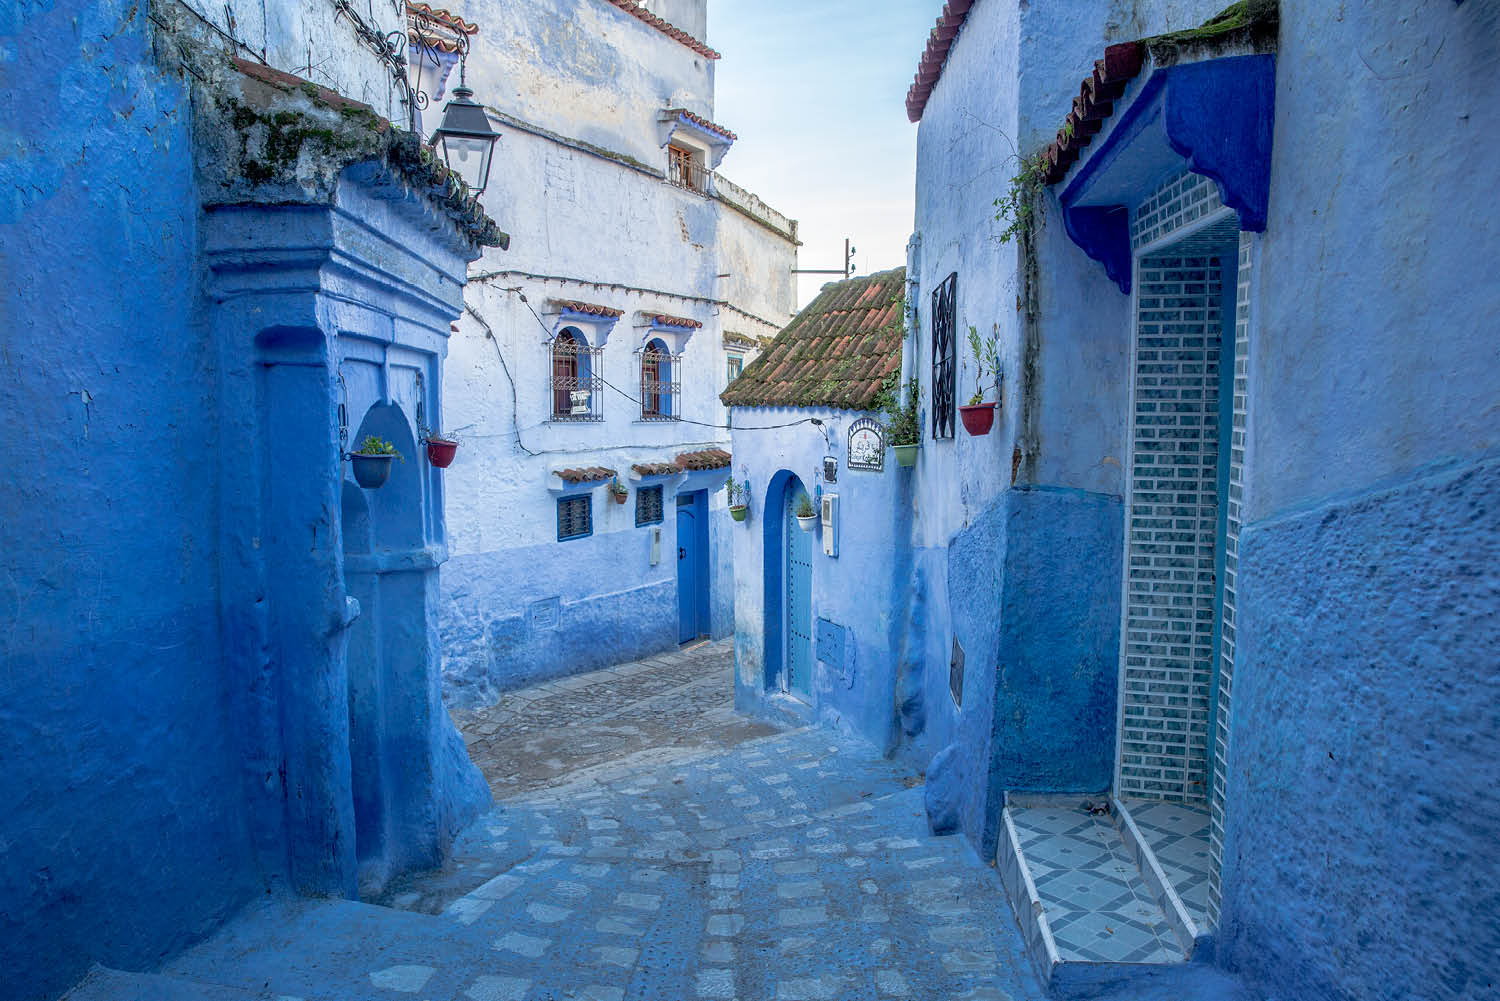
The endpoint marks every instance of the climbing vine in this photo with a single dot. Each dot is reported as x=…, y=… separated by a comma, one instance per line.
x=1019, y=208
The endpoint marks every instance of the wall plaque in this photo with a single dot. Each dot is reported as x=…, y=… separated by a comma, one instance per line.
x=867, y=445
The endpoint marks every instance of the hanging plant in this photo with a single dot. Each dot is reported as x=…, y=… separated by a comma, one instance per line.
x=978, y=416
x=618, y=491
x=739, y=498
x=807, y=515
x=905, y=426
x=372, y=462
x=441, y=448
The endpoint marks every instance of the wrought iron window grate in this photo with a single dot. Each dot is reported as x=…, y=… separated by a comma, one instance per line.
x=684, y=170
x=648, y=506
x=660, y=391
x=575, y=517
x=577, y=380
x=944, y=303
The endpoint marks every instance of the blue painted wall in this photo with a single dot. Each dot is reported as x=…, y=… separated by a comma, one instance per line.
x=1362, y=821
x=125, y=834
x=862, y=590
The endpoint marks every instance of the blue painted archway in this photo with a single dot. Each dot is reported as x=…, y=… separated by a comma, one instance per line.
x=782, y=621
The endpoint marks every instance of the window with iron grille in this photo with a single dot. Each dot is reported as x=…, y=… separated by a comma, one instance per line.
x=648, y=506
x=734, y=366
x=684, y=170
x=575, y=517
x=577, y=382
x=659, y=386
x=944, y=302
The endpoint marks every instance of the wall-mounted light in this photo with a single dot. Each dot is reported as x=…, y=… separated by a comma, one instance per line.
x=466, y=138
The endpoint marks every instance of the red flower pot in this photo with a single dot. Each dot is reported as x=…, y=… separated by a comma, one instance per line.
x=979, y=418
x=440, y=452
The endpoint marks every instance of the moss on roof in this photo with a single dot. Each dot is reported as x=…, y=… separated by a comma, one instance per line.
x=1252, y=23
x=835, y=353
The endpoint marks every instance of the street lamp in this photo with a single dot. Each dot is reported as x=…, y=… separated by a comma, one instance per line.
x=465, y=137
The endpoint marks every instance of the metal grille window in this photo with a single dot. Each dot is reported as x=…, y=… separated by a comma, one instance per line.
x=577, y=382
x=684, y=170
x=660, y=389
x=944, y=302
x=734, y=366
x=648, y=506
x=575, y=517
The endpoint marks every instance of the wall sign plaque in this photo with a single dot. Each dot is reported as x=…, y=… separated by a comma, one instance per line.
x=867, y=445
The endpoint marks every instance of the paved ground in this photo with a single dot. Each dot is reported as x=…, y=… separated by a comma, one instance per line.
x=666, y=707
x=690, y=856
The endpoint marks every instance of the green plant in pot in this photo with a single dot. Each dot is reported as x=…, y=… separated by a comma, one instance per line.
x=979, y=416
x=807, y=514
x=372, y=462
x=618, y=491
x=904, y=426
x=739, y=498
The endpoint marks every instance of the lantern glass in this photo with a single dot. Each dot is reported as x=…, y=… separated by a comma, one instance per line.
x=469, y=157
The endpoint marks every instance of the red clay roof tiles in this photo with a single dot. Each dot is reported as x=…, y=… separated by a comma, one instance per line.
x=635, y=10
x=702, y=122
x=592, y=309
x=709, y=458
x=587, y=474
x=836, y=353
x=673, y=321
x=656, y=468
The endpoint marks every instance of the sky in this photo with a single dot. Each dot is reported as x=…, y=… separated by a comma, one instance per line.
x=816, y=92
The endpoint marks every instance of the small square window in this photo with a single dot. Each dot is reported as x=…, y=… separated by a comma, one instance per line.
x=648, y=506
x=575, y=517
x=734, y=366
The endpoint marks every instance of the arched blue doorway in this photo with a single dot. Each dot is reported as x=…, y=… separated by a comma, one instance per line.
x=788, y=590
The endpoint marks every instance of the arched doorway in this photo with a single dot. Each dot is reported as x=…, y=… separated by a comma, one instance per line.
x=788, y=590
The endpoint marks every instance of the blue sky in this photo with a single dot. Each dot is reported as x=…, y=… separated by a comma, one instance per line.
x=816, y=91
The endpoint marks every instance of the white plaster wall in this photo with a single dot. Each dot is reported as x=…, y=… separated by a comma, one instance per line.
x=584, y=69
x=309, y=40
x=965, y=155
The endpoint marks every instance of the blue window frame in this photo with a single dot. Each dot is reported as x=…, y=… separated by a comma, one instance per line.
x=648, y=506
x=575, y=517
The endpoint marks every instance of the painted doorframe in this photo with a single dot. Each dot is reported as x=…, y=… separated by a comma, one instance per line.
x=775, y=504
x=695, y=550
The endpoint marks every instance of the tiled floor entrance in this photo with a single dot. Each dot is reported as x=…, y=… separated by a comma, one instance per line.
x=1099, y=907
x=1178, y=836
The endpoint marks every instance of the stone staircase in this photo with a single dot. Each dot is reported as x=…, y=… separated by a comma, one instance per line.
x=1096, y=905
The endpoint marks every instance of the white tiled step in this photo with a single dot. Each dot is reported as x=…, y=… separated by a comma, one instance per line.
x=1078, y=895
x=104, y=984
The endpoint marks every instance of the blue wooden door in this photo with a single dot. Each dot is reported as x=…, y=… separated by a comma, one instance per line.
x=798, y=603
x=687, y=573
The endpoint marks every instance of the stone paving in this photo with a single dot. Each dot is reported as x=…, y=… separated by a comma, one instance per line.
x=698, y=858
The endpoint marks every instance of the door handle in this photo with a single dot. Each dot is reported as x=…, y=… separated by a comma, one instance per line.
x=681, y=553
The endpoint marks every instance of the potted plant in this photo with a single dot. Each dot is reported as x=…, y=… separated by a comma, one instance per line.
x=618, y=491
x=372, y=462
x=440, y=449
x=905, y=426
x=978, y=416
x=739, y=498
x=807, y=515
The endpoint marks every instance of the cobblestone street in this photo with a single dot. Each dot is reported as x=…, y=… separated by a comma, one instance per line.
x=665, y=708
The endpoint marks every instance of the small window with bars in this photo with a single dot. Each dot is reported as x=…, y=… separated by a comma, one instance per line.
x=648, y=506
x=685, y=170
x=577, y=382
x=660, y=388
x=944, y=303
x=575, y=517
x=734, y=366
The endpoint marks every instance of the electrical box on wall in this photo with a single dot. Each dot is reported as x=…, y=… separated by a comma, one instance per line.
x=655, y=546
x=830, y=519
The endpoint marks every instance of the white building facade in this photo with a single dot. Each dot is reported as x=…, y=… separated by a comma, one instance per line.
x=586, y=523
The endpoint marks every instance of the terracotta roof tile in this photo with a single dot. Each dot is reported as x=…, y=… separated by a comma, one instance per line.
x=656, y=468
x=637, y=11
x=593, y=309
x=446, y=18
x=835, y=353
x=702, y=122
x=939, y=41
x=673, y=321
x=588, y=474
x=710, y=458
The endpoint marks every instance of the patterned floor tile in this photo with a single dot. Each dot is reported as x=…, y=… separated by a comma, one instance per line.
x=1178, y=835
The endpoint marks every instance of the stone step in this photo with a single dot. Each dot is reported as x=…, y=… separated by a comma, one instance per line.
x=1090, y=917
x=105, y=984
x=337, y=950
